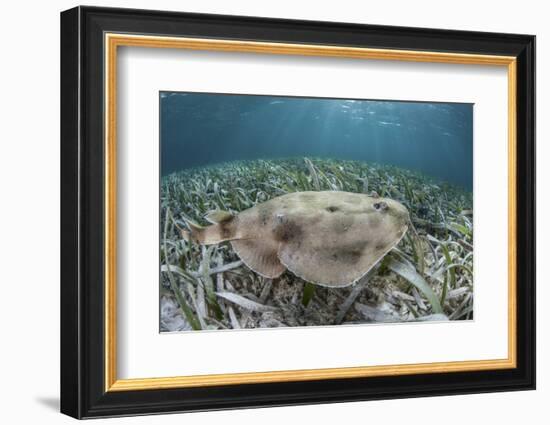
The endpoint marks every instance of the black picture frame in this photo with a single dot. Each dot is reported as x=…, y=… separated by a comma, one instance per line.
x=83, y=392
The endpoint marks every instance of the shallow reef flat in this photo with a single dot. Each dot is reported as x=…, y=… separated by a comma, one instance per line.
x=427, y=276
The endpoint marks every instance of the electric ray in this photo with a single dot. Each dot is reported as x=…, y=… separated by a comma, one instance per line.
x=328, y=238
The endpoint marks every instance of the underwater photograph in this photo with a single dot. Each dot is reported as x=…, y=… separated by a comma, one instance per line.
x=283, y=211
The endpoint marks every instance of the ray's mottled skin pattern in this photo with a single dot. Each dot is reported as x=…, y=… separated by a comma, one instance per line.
x=330, y=238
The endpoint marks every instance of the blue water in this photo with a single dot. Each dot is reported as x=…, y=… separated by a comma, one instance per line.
x=199, y=129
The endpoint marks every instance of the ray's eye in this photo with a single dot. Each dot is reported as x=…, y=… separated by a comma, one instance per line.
x=380, y=206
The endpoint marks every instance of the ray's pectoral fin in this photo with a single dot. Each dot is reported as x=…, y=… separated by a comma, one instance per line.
x=327, y=266
x=259, y=256
x=304, y=263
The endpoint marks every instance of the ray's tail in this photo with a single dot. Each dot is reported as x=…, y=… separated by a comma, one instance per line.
x=209, y=235
x=200, y=234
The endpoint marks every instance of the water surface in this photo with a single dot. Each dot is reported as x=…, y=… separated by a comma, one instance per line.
x=199, y=129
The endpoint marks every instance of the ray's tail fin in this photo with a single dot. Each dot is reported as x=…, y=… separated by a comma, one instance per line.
x=195, y=232
x=223, y=230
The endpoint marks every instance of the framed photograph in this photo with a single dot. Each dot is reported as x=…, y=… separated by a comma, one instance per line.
x=261, y=212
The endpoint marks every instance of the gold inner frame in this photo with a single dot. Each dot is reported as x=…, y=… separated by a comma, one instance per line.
x=113, y=41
